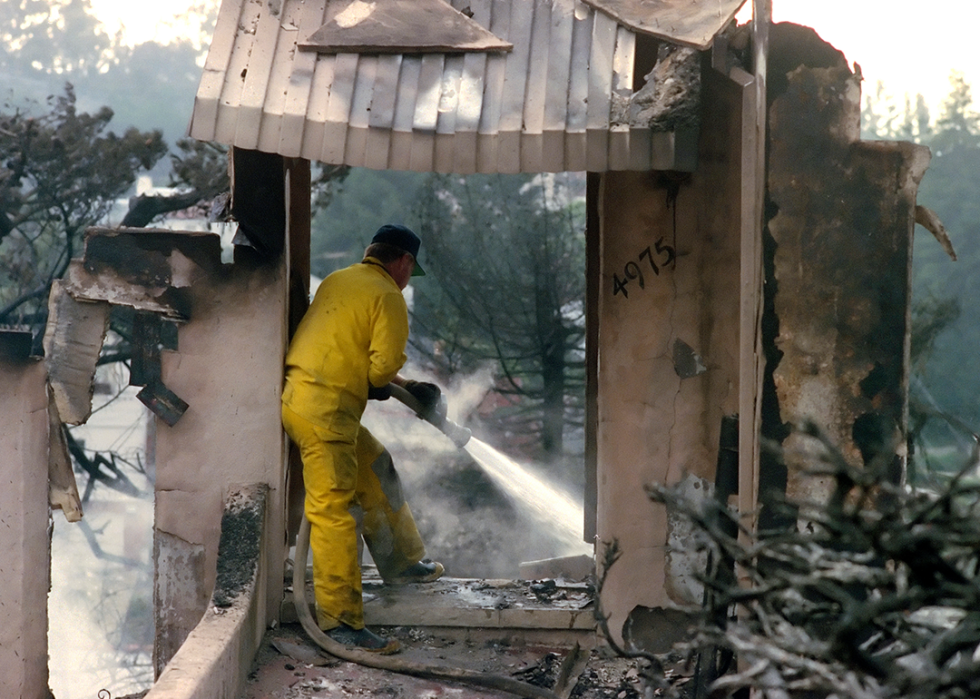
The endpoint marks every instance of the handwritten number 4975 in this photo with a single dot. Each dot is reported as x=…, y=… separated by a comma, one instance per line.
x=634, y=270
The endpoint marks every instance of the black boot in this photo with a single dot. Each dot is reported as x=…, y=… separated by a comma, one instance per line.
x=363, y=639
x=422, y=572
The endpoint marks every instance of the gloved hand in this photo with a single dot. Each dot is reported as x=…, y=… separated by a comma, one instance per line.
x=383, y=393
x=427, y=394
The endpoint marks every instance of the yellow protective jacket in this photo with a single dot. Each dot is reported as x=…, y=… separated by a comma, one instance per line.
x=355, y=331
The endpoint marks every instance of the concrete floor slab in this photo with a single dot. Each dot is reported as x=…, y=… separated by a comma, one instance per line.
x=513, y=628
x=546, y=605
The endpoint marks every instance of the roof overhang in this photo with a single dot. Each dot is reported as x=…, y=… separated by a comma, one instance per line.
x=399, y=26
x=558, y=100
x=691, y=24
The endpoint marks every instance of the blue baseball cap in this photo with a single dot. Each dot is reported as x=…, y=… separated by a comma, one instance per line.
x=403, y=238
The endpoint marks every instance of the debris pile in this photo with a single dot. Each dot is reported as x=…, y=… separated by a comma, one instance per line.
x=289, y=666
x=871, y=594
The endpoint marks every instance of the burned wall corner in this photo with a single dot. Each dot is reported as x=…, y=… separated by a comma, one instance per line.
x=17, y=346
x=148, y=275
x=840, y=215
x=146, y=269
x=240, y=544
x=258, y=203
x=791, y=46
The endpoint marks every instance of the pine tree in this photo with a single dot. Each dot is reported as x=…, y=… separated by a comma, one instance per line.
x=508, y=288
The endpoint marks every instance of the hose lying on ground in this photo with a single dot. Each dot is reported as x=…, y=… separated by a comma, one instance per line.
x=368, y=659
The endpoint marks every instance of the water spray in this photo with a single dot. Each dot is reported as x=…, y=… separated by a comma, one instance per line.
x=435, y=416
x=547, y=503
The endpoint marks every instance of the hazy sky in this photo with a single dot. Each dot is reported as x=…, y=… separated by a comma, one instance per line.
x=911, y=45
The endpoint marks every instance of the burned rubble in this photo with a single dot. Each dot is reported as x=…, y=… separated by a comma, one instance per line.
x=288, y=666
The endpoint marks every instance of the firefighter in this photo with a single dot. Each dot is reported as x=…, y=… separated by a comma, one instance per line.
x=348, y=348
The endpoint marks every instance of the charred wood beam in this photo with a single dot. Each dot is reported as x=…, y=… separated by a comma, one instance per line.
x=145, y=365
x=258, y=200
x=145, y=369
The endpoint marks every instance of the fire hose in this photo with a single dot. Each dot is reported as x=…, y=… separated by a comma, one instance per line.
x=434, y=415
x=459, y=435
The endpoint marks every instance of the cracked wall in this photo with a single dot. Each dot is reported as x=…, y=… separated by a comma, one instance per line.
x=834, y=331
x=228, y=369
x=668, y=350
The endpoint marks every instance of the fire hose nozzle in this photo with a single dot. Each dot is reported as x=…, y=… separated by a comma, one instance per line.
x=435, y=416
x=457, y=433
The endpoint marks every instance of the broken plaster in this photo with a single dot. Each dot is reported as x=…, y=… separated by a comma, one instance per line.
x=671, y=96
x=72, y=342
x=146, y=269
x=109, y=287
x=686, y=557
x=150, y=271
x=179, y=593
x=62, y=488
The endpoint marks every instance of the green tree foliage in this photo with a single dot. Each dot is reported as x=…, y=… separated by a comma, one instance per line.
x=951, y=188
x=506, y=263
x=958, y=124
x=359, y=202
x=59, y=173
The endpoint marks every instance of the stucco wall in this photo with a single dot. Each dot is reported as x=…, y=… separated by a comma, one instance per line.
x=228, y=368
x=660, y=406
x=25, y=544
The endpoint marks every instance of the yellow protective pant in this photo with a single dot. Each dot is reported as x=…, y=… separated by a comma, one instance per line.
x=341, y=474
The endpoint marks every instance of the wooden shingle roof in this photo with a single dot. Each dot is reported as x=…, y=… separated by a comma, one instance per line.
x=557, y=101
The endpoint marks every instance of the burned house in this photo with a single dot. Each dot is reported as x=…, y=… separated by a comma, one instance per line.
x=748, y=265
